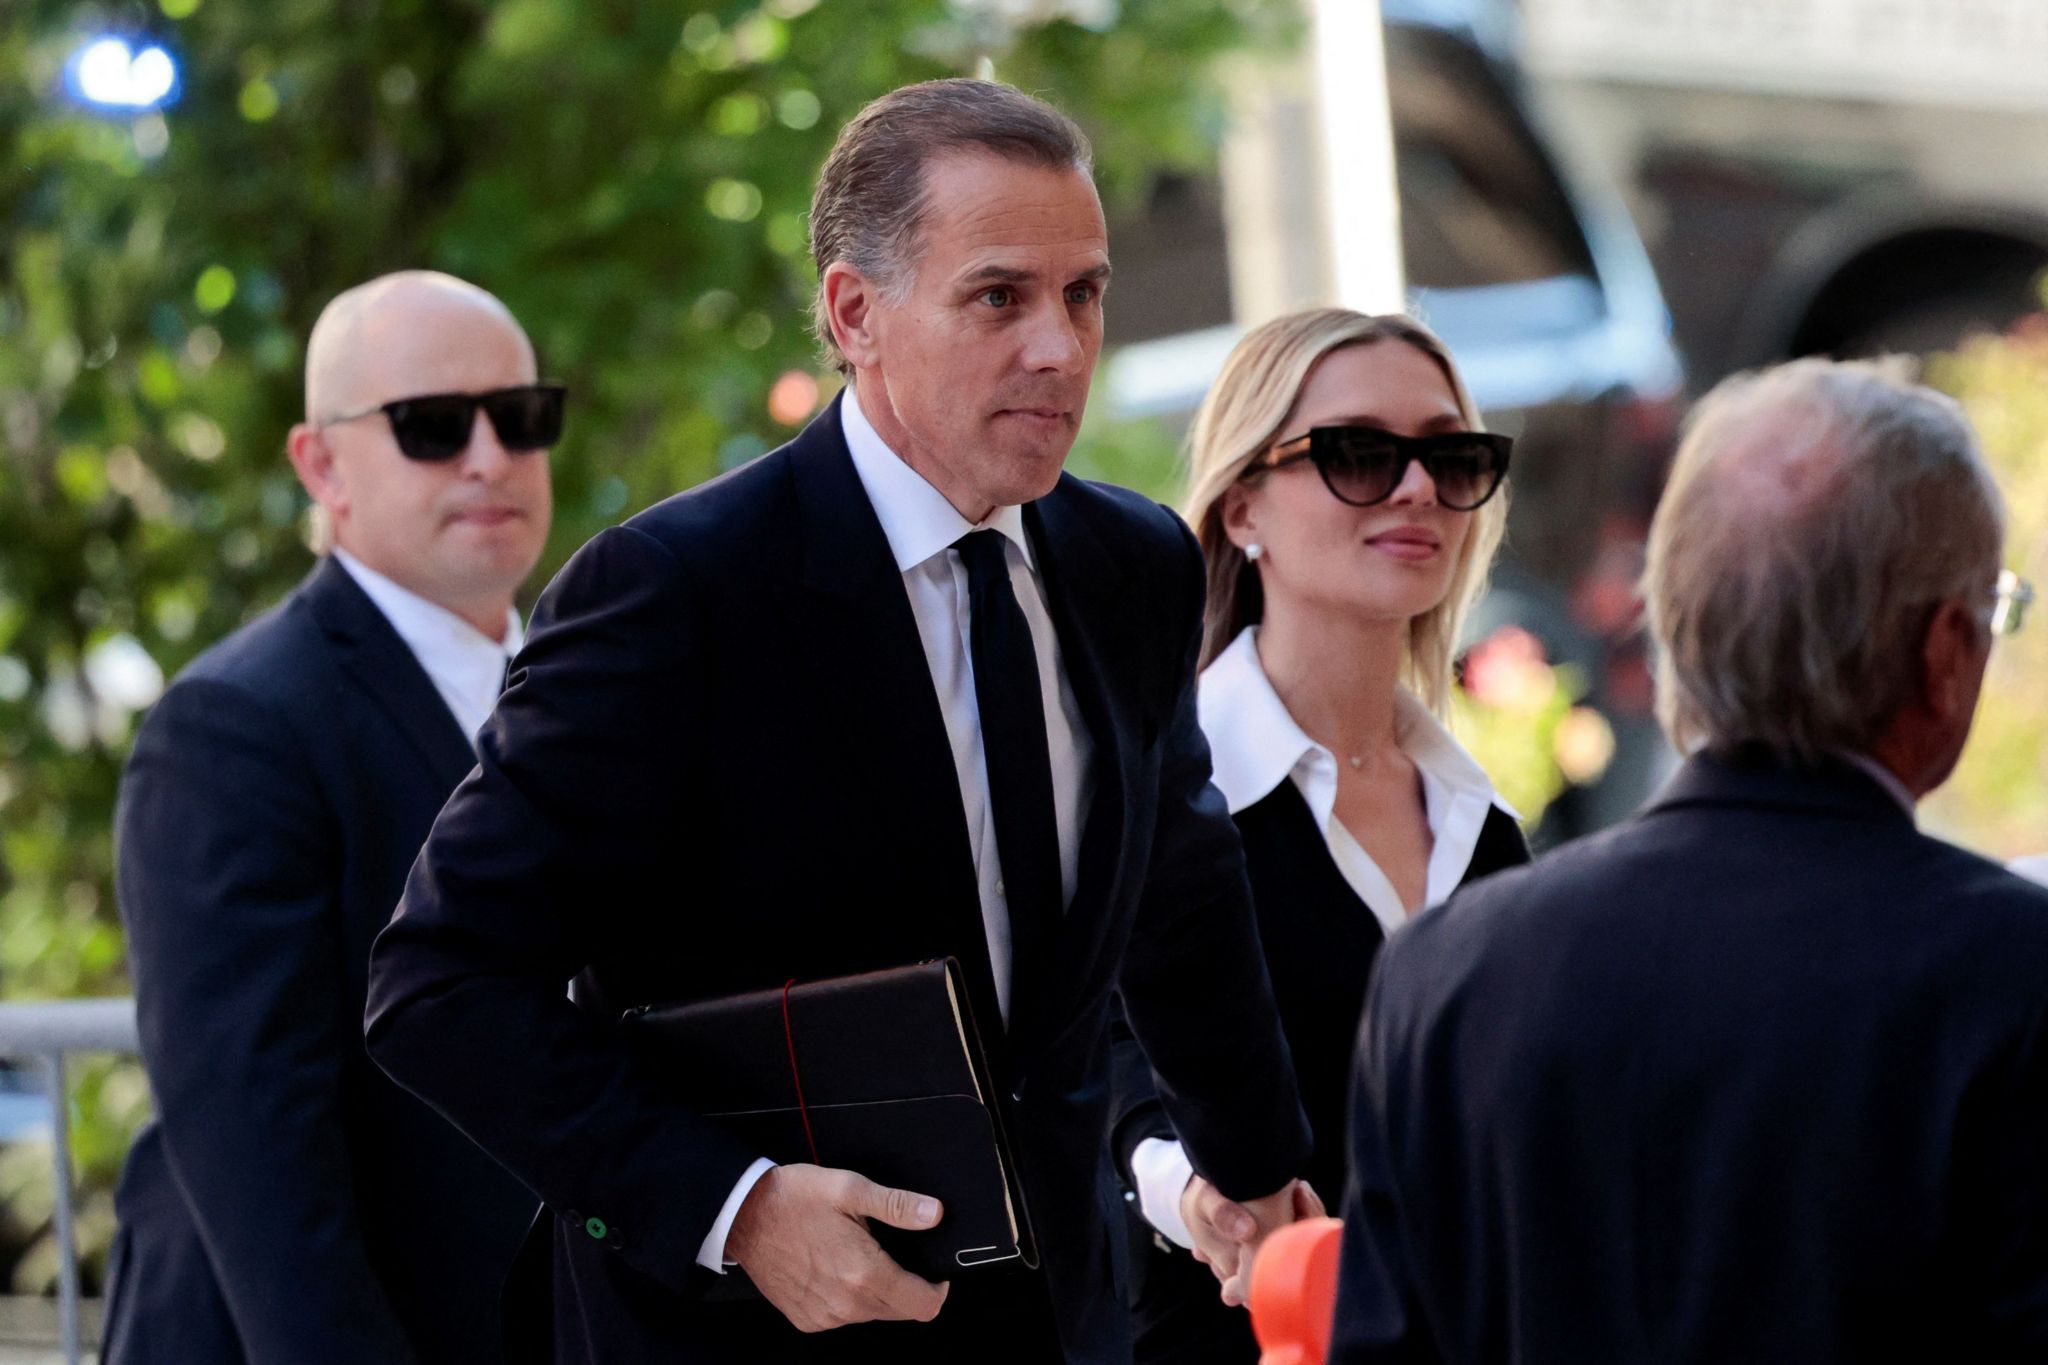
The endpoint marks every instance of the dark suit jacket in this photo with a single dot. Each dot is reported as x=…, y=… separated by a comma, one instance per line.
x=721, y=764
x=291, y=1204
x=1761, y=1076
x=1320, y=943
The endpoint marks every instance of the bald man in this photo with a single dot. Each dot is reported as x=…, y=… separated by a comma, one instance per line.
x=291, y=1206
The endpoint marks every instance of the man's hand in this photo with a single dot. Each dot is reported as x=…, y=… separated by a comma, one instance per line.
x=1305, y=1204
x=801, y=1235
x=1227, y=1234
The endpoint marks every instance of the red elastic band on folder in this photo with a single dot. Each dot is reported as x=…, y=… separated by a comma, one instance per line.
x=789, y=1035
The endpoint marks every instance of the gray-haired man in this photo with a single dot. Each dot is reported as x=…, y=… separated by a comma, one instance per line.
x=1762, y=1076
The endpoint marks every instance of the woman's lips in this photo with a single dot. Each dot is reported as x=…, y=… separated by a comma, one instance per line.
x=1407, y=544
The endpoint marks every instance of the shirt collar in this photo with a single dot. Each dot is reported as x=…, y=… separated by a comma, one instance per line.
x=443, y=642
x=1884, y=777
x=1255, y=744
x=1443, y=761
x=915, y=517
x=2034, y=867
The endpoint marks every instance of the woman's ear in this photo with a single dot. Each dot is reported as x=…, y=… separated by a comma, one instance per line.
x=1240, y=514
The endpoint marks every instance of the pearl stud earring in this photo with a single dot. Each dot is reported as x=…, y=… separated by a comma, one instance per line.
x=1254, y=552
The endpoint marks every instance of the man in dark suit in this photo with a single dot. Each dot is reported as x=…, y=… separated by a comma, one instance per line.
x=291, y=1205
x=896, y=691
x=1763, y=1075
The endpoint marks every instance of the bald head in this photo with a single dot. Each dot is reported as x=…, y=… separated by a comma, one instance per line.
x=1816, y=512
x=461, y=531
x=410, y=333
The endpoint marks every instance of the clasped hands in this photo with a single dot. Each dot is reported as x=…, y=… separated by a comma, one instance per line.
x=1228, y=1234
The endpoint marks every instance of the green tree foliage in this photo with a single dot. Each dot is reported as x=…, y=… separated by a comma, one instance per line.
x=630, y=176
x=1997, y=801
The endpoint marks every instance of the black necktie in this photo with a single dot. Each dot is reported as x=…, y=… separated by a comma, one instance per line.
x=1019, y=762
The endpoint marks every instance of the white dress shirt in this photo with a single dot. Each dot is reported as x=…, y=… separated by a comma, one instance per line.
x=1255, y=745
x=466, y=666
x=921, y=527
x=2033, y=867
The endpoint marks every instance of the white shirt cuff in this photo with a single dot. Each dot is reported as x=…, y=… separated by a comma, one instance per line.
x=712, y=1254
x=1161, y=1170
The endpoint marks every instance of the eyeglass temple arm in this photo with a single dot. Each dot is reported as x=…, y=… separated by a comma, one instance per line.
x=1282, y=453
x=334, y=417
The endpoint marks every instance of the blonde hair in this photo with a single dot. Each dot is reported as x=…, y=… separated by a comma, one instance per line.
x=1815, y=513
x=1240, y=419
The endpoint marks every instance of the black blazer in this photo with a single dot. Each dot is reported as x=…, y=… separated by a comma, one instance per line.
x=721, y=764
x=1320, y=942
x=1761, y=1076
x=290, y=1204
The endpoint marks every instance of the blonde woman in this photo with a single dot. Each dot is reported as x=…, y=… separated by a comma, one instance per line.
x=1348, y=504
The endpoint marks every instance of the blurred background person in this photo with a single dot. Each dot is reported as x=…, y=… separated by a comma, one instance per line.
x=1762, y=1075
x=291, y=1205
x=1348, y=502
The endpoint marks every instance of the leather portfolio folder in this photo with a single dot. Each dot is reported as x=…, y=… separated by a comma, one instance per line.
x=882, y=1074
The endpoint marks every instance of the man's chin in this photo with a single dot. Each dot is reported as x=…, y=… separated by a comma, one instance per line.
x=1030, y=469
x=1020, y=490
x=494, y=562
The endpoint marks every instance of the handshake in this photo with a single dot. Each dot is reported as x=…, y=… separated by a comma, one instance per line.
x=1228, y=1234
x=801, y=1235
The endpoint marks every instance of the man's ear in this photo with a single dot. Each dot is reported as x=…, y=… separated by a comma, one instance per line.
x=1949, y=657
x=850, y=312
x=313, y=461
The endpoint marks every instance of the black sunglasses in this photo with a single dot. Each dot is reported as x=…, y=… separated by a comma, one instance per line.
x=1364, y=465
x=436, y=426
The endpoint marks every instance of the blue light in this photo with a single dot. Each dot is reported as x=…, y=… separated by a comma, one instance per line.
x=110, y=74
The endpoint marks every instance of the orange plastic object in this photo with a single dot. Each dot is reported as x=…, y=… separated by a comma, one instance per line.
x=1294, y=1292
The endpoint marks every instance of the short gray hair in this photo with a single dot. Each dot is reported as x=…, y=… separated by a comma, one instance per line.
x=870, y=203
x=1816, y=514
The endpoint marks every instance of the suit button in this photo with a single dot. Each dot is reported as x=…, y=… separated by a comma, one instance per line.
x=999, y=887
x=595, y=1227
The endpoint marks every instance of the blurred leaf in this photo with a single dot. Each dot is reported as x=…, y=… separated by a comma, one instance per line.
x=1997, y=801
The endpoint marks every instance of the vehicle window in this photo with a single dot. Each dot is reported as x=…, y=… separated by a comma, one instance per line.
x=1481, y=203
x=1172, y=268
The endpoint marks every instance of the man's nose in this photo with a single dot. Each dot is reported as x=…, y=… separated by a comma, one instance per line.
x=1054, y=342
x=485, y=456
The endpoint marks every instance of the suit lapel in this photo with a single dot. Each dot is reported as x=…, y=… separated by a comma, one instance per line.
x=873, y=681
x=380, y=663
x=1078, y=573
